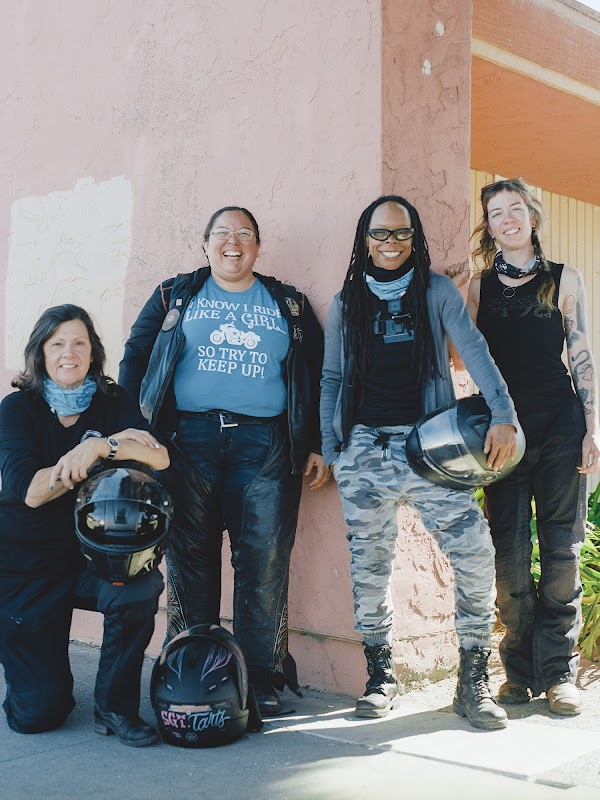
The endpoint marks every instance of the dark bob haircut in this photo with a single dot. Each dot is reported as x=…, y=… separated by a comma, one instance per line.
x=31, y=378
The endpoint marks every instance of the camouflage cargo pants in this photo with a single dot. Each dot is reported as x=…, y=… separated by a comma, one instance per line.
x=373, y=481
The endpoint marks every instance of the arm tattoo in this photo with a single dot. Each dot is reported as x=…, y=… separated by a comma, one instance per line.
x=583, y=377
x=570, y=327
x=580, y=307
x=581, y=361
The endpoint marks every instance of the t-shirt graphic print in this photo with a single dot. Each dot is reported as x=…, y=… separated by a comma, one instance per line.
x=234, y=352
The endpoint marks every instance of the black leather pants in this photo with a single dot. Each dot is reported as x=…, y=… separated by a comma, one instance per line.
x=543, y=624
x=238, y=478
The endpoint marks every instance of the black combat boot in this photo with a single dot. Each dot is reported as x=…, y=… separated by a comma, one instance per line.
x=474, y=699
x=382, y=687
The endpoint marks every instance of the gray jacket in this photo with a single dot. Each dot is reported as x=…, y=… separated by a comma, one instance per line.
x=449, y=318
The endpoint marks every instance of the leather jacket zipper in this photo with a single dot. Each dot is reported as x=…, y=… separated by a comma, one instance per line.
x=168, y=375
x=289, y=409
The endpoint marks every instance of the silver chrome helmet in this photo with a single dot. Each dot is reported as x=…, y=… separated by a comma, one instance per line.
x=446, y=446
x=122, y=517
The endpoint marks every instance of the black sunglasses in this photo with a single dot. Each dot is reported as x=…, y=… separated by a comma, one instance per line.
x=383, y=234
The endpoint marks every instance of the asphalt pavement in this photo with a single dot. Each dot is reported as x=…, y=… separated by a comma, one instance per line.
x=422, y=751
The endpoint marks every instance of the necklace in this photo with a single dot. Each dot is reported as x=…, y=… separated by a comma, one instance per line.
x=509, y=291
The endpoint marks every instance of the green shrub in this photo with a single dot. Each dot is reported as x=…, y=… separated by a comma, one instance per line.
x=589, y=641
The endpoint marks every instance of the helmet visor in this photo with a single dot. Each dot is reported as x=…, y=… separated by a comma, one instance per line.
x=445, y=450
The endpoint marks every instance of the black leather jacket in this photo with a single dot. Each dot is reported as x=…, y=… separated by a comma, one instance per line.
x=156, y=339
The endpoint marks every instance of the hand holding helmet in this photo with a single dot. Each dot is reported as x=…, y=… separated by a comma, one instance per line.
x=455, y=446
x=500, y=446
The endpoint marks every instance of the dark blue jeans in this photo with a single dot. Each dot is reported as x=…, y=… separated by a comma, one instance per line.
x=35, y=618
x=240, y=479
x=543, y=626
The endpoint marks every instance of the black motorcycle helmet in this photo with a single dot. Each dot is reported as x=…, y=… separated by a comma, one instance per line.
x=199, y=688
x=446, y=446
x=122, y=517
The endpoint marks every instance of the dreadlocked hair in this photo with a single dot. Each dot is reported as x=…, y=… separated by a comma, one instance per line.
x=486, y=249
x=358, y=330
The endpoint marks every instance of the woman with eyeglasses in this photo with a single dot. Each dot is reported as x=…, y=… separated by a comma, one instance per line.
x=227, y=363
x=527, y=308
x=386, y=364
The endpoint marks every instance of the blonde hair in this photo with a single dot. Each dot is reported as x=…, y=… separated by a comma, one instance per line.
x=486, y=248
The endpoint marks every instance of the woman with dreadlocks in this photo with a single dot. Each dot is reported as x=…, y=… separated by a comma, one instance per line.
x=526, y=306
x=386, y=363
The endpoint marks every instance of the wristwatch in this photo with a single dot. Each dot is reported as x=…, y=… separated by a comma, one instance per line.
x=114, y=445
x=91, y=435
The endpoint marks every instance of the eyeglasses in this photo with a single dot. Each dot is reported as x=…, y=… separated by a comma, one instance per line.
x=383, y=234
x=244, y=234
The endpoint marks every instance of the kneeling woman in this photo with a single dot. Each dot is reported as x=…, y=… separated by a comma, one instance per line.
x=386, y=363
x=66, y=416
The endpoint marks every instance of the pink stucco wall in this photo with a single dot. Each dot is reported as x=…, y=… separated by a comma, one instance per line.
x=290, y=108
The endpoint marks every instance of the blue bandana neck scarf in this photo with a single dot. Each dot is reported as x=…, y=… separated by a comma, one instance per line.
x=390, y=290
x=68, y=402
x=531, y=267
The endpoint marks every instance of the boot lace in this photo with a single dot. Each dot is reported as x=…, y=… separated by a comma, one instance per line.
x=379, y=678
x=479, y=675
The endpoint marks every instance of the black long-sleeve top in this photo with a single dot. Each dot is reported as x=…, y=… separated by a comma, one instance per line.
x=35, y=540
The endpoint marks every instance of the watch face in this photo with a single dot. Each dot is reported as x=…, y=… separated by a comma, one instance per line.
x=113, y=444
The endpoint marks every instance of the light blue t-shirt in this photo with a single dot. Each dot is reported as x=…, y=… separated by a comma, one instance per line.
x=234, y=352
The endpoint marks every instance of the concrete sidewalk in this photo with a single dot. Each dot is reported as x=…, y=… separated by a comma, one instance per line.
x=422, y=751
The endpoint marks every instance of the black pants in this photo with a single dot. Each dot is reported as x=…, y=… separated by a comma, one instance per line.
x=543, y=626
x=35, y=619
x=239, y=478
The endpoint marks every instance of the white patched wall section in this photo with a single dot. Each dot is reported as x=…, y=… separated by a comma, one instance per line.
x=69, y=247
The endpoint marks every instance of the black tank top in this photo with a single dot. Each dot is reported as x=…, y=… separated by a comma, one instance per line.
x=526, y=341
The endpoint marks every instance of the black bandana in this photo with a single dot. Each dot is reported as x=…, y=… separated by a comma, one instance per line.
x=386, y=275
x=531, y=267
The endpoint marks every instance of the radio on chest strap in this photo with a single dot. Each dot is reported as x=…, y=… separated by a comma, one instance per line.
x=397, y=327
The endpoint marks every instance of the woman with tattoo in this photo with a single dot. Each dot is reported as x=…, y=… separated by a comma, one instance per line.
x=526, y=307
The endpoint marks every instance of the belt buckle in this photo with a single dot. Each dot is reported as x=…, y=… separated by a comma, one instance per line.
x=226, y=424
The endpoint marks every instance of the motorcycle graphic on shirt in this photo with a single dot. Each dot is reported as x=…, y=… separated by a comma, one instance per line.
x=232, y=335
x=226, y=338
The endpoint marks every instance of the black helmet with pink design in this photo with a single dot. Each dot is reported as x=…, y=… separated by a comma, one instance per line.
x=199, y=689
